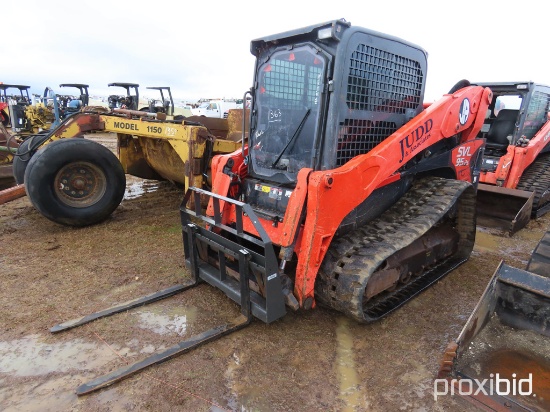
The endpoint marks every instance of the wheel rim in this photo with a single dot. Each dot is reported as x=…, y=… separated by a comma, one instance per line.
x=80, y=184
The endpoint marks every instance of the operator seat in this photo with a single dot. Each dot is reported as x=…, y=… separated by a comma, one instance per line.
x=502, y=127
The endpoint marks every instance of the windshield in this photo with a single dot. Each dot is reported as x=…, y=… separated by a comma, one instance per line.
x=507, y=101
x=287, y=101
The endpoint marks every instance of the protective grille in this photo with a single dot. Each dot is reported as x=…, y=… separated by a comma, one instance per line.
x=286, y=81
x=358, y=136
x=383, y=82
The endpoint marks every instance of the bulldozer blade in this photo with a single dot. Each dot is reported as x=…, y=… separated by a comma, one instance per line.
x=182, y=347
x=122, y=307
x=506, y=338
x=503, y=208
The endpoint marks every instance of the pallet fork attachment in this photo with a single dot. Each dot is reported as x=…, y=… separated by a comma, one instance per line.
x=182, y=347
x=193, y=342
x=224, y=261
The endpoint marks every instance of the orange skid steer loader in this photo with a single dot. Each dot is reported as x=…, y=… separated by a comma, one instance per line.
x=348, y=192
x=515, y=173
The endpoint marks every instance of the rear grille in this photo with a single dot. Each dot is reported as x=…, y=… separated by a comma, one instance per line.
x=359, y=136
x=383, y=82
x=384, y=90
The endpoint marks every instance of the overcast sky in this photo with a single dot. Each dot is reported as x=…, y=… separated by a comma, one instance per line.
x=201, y=48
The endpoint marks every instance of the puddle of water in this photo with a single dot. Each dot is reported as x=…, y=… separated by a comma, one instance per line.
x=516, y=366
x=167, y=321
x=137, y=189
x=486, y=242
x=231, y=375
x=349, y=381
x=241, y=395
x=54, y=394
x=514, y=354
x=30, y=356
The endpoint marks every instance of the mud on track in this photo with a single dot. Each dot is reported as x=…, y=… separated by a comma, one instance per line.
x=308, y=361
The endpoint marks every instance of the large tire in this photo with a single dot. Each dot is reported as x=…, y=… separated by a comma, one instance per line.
x=24, y=153
x=75, y=182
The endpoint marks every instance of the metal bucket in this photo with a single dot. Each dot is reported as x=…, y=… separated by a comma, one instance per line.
x=501, y=359
x=506, y=209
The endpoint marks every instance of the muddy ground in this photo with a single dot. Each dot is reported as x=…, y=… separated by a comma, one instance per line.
x=308, y=361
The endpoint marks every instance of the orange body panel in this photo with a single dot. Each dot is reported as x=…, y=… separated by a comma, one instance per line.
x=512, y=165
x=332, y=195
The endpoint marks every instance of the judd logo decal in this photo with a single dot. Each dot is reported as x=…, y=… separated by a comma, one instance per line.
x=464, y=112
x=414, y=140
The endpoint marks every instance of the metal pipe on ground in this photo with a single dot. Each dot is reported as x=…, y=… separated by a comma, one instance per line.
x=12, y=193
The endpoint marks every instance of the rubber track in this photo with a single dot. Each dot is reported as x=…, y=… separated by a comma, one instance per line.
x=353, y=257
x=536, y=178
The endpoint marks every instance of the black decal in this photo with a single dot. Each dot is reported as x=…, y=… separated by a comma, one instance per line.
x=429, y=124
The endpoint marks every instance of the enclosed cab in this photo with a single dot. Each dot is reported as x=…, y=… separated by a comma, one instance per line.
x=517, y=113
x=379, y=87
x=323, y=95
x=515, y=172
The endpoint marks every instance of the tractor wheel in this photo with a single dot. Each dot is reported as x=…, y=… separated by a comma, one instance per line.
x=75, y=182
x=24, y=153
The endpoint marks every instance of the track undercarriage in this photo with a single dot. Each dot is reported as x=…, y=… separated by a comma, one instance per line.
x=373, y=270
x=537, y=179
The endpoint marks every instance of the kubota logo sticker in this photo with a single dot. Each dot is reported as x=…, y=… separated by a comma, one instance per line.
x=464, y=112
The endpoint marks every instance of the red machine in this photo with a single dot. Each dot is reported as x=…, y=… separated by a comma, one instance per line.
x=515, y=174
x=349, y=192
